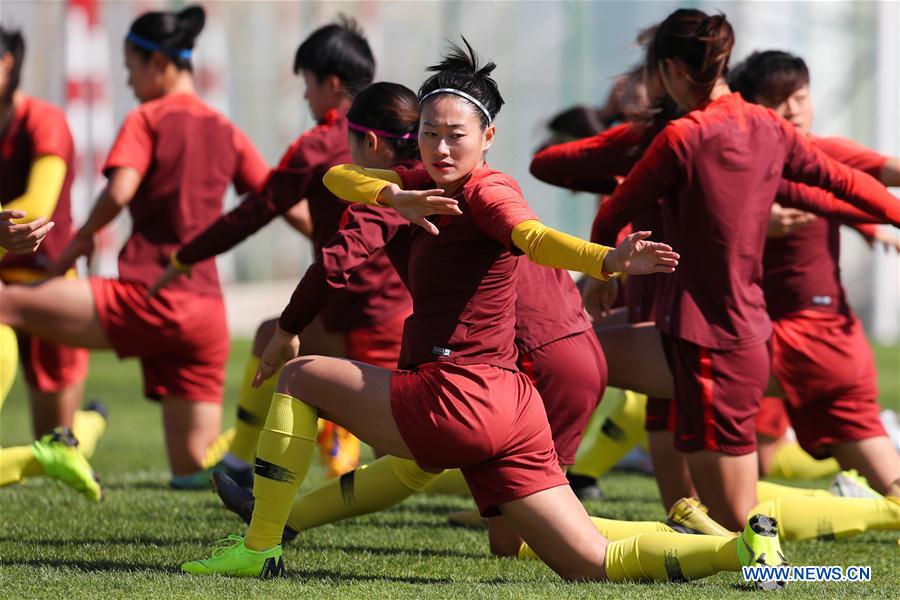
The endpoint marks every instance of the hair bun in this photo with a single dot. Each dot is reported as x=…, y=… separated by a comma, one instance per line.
x=191, y=21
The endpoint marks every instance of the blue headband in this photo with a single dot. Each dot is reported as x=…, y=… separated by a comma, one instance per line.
x=141, y=42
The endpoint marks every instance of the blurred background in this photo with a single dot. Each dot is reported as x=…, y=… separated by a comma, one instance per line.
x=550, y=55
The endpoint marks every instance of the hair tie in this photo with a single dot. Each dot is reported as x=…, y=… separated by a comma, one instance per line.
x=385, y=134
x=461, y=94
x=142, y=42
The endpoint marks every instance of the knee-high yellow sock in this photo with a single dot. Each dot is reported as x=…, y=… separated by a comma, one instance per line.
x=622, y=430
x=17, y=463
x=88, y=427
x=670, y=557
x=450, y=482
x=9, y=360
x=792, y=462
x=830, y=518
x=286, y=446
x=612, y=530
x=766, y=490
x=253, y=406
x=370, y=488
x=218, y=448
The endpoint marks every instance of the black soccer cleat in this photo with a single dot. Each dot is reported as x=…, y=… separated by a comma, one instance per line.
x=240, y=501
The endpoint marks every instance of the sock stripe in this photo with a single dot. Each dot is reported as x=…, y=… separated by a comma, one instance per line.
x=612, y=431
x=264, y=468
x=248, y=417
x=348, y=486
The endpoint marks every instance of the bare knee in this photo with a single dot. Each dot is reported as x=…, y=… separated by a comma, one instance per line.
x=295, y=375
x=263, y=335
x=10, y=306
x=583, y=568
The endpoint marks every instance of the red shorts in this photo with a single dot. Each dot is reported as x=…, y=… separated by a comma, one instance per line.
x=51, y=367
x=772, y=420
x=570, y=375
x=660, y=414
x=378, y=344
x=825, y=366
x=180, y=337
x=487, y=421
x=717, y=395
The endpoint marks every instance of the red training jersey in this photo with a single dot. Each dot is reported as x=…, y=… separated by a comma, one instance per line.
x=802, y=270
x=718, y=169
x=37, y=129
x=187, y=154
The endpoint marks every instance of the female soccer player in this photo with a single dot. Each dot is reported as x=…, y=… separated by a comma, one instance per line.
x=36, y=160
x=460, y=402
x=820, y=354
x=557, y=348
x=171, y=163
x=718, y=195
x=363, y=320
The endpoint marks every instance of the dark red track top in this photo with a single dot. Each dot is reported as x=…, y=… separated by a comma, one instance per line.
x=801, y=271
x=718, y=169
x=37, y=128
x=187, y=154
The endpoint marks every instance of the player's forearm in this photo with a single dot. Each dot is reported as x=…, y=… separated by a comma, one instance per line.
x=45, y=182
x=358, y=184
x=552, y=248
x=309, y=298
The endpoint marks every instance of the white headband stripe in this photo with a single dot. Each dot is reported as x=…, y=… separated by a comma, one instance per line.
x=461, y=94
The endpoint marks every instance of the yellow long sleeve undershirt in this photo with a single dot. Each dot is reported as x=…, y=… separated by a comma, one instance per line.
x=541, y=244
x=45, y=182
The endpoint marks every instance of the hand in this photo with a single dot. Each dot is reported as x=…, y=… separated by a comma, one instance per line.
x=22, y=238
x=886, y=240
x=81, y=245
x=171, y=273
x=415, y=205
x=281, y=348
x=598, y=297
x=784, y=221
x=637, y=256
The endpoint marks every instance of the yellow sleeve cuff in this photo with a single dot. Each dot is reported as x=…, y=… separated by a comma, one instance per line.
x=559, y=250
x=45, y=182
x=357, y=184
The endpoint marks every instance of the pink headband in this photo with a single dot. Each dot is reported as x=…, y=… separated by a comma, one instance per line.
x=386, y=134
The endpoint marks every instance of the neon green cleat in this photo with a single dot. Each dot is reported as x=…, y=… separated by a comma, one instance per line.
x=234, y=559
x=688, y=515
x=759, y=546
x=58, y=454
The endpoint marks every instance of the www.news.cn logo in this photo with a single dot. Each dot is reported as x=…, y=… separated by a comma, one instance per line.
x=807, y=573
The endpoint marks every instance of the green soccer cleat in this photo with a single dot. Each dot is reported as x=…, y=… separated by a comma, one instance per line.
x=58, y=454
x=234, y=559
x=759, y=546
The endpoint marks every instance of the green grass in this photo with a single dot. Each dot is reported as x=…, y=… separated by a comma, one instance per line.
x=53, y=544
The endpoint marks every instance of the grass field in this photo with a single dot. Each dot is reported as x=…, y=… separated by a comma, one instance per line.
x=53, y=544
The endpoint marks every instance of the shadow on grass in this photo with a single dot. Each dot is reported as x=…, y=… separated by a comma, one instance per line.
x=91, y=566
x=337, y=575
x=382, y=551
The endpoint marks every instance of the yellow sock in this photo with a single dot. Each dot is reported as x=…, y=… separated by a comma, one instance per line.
x=766, y=490
x=370, y=488
x=286, y=446
x=622, y=430
x=450, y=482
x=792, y=462
x=670, y=557
x=17, y=463
x=253, y=406
x=612, y=530
x=9, y=360
x=88, y=427
x=830, y=518
x=216, y=451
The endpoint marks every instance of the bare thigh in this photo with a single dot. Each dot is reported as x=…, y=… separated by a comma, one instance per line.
x=352, y=394
x=635, y=359
x=60, y=310
x=555, y=525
